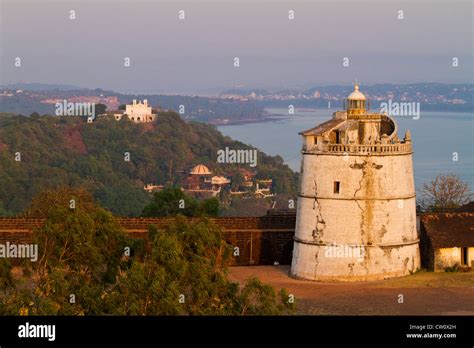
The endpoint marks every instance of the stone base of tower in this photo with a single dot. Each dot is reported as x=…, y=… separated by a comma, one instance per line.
x=351, y=263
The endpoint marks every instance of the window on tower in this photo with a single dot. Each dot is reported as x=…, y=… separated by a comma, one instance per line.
x=337, y=186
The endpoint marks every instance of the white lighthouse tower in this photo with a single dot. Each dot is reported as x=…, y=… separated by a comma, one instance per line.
x=356, y=216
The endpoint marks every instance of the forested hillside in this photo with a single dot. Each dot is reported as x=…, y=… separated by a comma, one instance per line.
x=44, y=152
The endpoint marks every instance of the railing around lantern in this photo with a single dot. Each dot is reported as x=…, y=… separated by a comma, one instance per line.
x=400, y=148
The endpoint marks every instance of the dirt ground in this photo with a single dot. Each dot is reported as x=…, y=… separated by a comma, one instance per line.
x=424, y=293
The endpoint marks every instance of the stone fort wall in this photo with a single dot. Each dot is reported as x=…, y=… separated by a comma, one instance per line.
x=261, y=240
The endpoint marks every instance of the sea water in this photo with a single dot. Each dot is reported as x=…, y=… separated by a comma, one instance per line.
x=443, y=142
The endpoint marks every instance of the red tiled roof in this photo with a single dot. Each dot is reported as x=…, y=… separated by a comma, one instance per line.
x=323, y=127
x=446, y=230
x=467, y=208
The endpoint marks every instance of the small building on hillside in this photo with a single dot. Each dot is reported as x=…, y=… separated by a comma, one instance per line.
x=219, y=181
x=247, y=176
x=153, y=188
x=199, y=178
x=263, y=188
x=200, y=170
x=201, y=182
x=138, y=112
x=447, y=240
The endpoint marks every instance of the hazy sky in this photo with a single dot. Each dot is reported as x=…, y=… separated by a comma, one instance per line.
x=169, y=55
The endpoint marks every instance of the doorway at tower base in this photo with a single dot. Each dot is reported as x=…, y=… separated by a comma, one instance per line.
x=346, y=263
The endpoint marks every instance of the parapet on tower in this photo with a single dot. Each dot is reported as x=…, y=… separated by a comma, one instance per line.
x=356, y=217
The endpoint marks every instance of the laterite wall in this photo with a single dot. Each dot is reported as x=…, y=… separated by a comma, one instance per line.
x=260, y=240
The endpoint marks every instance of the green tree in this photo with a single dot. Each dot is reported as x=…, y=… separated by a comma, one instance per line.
x=100, y=109
x=183, y=271
x=170, y=201
x=237, y=181
x=173, y=201
x=180, y=269
x=80, y=254
x=65, y=197
x=208, y=207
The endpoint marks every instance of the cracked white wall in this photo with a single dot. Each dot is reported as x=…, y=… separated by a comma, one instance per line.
x=375, y=208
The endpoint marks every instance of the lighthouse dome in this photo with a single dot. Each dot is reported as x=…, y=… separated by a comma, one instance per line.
x=356, y=95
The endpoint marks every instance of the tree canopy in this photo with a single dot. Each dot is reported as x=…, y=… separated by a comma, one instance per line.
x=173, y=201
x=112, y=159
x=87, y=265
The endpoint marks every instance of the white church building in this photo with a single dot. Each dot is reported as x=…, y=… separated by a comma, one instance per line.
x=138, y=112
